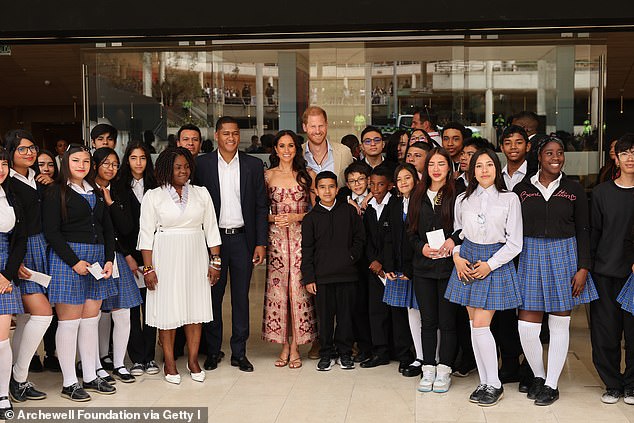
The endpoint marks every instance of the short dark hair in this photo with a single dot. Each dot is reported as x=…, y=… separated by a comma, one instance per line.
x=625, y=143
x=226, y=119
x=103, y=128
x=350, y=141
x=514, y=129
x=418, y=144
x=466, y=132
x=426, y=114
x=477, y=142
x=383, y=170
x=188, y=127
x=371, y=128
x=164, y=167
x=526, y=114
x=358, y=166
x=326, y=174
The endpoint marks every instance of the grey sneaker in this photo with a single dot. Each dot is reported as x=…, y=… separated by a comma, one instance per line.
x=152, y=368
x=443, y=379
x=611, y=396
x=427, y=381
x=137, y=369
x=628, y=396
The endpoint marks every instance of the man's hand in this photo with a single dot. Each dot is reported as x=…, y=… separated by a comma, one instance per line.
x=259, y=254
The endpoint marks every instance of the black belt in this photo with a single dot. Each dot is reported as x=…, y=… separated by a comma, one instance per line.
x=232, y=231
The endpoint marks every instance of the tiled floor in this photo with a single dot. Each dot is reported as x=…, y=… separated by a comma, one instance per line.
x=272, y=395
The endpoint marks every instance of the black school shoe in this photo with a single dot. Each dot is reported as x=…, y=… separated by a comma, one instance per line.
x=477, y=394
x=413, y=371
x=75, y=392
x=535, y=388
x=22, y=391
x=491, y=396
x=547, y=396
x=100, y=386
x=123, y=377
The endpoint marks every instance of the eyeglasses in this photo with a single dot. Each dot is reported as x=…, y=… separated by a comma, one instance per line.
x=111, y=165
x=624, y=155
x=357, y=181
x=23, y=150
x=368, y=141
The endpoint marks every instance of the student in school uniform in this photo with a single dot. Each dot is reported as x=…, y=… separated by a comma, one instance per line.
x=12, y=249
x=484, y=279
x=431, y=209
x=356, y=191
x=28, y=188
x=136, y=177
x=553, y=265
x=382, y=317
x=399, y=291
x=78, y=228
x=107, y=166
x=611, y=214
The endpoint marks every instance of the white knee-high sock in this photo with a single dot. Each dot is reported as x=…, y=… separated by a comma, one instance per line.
x=120, y=335
x=476, y=353
x=66, y=345
x=532, y=346
x=415, y=327
x=558, y=348
x=5, y=371
x=31, y=337
x=105, y=323
x=488, y=354
x=20, y=322
x=88, y=347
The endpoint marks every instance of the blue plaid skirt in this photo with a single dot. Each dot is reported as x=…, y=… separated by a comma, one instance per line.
x=35, y=259
x=498, y=291
x=67, y=287
x=400, y=292
x=545, y=272
x=128, y=294
x=626, y=296
x=11, y=302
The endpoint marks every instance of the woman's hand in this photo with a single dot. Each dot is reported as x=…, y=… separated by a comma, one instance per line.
x=446, y=248
x=430, y=252
x=311, y=288
x=107, y=270
x=81, y=267
x=44, y=179
x=23, y=273
x=282, y=220
x=6, y=286
x=463, y=268
x=391, y=276
x=150, y=280
x=481, y=269
x=579, y=282
x=213, y=276
x=132, y=264
x=107, y=197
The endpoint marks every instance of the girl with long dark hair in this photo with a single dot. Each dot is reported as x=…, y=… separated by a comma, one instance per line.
x=484, y=279
x=78, y=228
x=432, y=209
x=289, y=314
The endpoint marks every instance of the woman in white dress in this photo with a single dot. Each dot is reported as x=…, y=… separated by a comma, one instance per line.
x=178, y=224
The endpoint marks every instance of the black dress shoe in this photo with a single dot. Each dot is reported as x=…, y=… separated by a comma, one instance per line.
x=106, y=363
x=536, y=386
x=413, y=371
x=36, y=365
x=100, y=386
x=211, y=363
x=22, y=391
x=75, y=392
x=124, y=377
x=491, y=396
x=362, y=356
x=547, y=396
x=402, y=365
x=525, y=384
x=374, y=362
x=242, y=363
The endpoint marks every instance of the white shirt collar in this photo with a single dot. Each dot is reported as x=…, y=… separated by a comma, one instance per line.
x=492, y=190
x=85, y=187
x=382, y=203
x=556, y=182
x=234, y=159
x=522, y=169
x=329, y=208
x=29, y=179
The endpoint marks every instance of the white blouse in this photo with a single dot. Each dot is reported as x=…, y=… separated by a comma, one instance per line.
x=29, y=179
x=7, y=214
x=490, y=217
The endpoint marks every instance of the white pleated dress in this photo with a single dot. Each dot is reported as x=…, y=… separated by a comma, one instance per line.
x=179, y=236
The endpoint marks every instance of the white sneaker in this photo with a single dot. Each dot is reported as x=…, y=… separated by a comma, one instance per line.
x=427, y=381
x=611, y=396
x=443, y=378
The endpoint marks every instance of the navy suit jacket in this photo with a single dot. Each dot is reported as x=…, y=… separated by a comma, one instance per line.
x=253, y=198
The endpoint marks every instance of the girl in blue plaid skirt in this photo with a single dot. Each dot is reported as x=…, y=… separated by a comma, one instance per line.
x=553, y=266
x=78, y=228
x=12, y=249
x=128, y=295
x=484, y=279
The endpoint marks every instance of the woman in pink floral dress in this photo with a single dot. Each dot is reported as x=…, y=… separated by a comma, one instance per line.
x=289, y=314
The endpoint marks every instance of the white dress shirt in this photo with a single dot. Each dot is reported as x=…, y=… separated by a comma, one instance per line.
x=29, y=179
x=85, y=187
x=548, y=191
x=490, y=217
x=379, y=206
x=138, y=188
x=359, y=198
x=432, y=196
x=230, y=206
x=58, y=162
x=7, y=214
x=517, y=177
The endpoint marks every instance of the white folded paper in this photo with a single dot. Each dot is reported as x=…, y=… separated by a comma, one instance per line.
x=436, y=238
x=39, y=278
x=115, y=268
x=140, y=281
x=96, y=270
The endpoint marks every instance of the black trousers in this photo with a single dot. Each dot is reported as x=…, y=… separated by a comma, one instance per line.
x=384, y=318
x=142, y=341
x=335, y=301
x=360, y=316
x=236, y=262
x=436, y=313
x=504, y=329
x=609, y=323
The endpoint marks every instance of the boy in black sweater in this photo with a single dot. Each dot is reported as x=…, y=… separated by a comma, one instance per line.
x=382, y=316
x=332, y=242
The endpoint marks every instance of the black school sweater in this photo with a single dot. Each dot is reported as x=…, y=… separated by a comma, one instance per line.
x=332, y=242
x=31, y=202
x=564, y=215
x=398, y=251
x=628, y=244
x=82, y=224
x=376, y=230
x=611, y=212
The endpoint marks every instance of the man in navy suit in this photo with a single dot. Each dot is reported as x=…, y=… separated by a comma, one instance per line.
x=235, y=181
